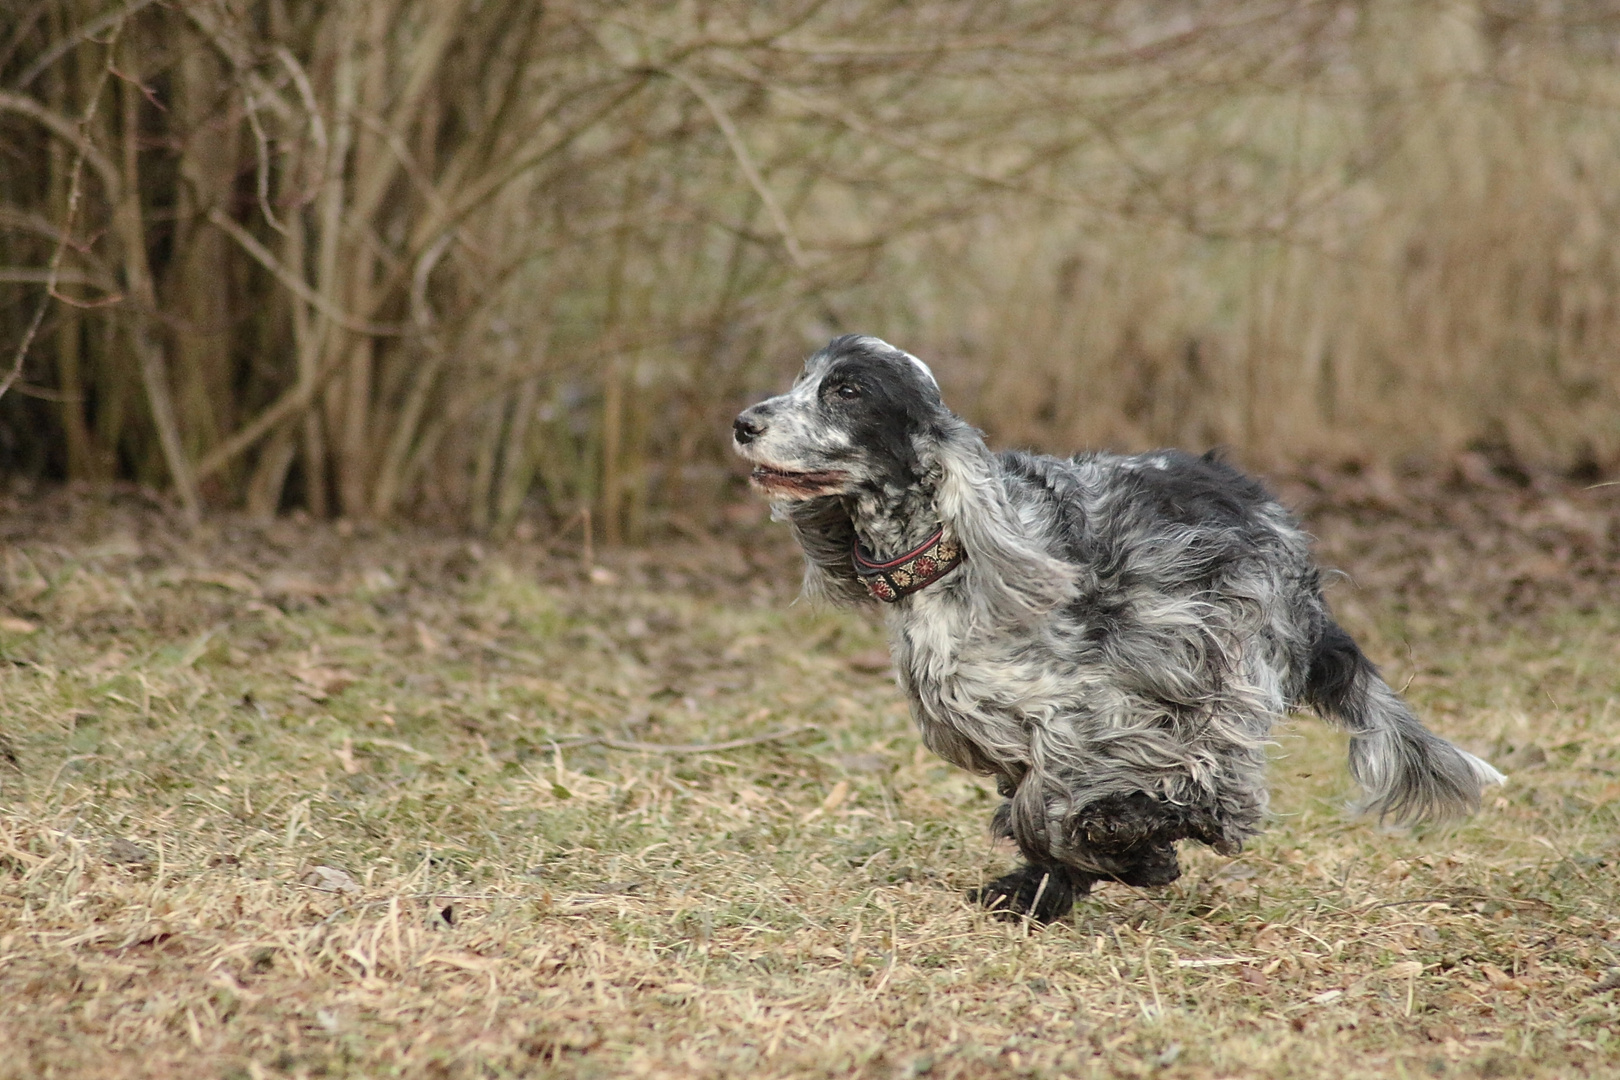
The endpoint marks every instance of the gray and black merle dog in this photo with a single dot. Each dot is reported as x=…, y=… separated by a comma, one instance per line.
x=1111, y=637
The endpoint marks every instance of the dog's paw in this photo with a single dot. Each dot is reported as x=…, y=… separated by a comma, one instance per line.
x=1042, y=893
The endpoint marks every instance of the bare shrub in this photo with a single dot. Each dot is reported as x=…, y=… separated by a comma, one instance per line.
x=475, y=261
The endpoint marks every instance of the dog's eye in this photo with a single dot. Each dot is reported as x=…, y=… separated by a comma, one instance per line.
x=848, y=391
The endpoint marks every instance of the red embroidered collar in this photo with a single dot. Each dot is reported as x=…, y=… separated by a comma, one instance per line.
x=922, y=565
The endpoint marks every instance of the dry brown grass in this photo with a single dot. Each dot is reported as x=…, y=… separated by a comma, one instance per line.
x=200, y=722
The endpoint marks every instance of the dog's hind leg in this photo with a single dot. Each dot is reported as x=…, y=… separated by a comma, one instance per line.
x=1132, y=838
x=1043, y=893
x=1126, y=838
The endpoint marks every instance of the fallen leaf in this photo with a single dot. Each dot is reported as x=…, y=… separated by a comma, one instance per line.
x=331, y=879
x=281, y=585
x=871, y=662
x=152, y=933
x=230, y=580
x=325, y=681
x=833, y=801
x=376, y=580
x=345, y=756
x=864, y=763
x=110, y=660
x=1528, y=756
x=127, y=853
x=1609, y=981
x=120, y=546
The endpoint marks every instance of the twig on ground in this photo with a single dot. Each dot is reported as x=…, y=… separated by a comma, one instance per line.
x=1413, y=903
x=565, y=742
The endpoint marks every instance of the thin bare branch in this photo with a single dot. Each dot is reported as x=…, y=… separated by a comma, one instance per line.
x=287, y=407
x=71, y=133
x=295, y=285
x=50, y=276
x=130, y=226
x=261, y=145
x=85, y=151
x=87, y=32
x=745, y=161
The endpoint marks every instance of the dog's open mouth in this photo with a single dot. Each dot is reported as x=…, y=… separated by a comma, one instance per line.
x=774, y=481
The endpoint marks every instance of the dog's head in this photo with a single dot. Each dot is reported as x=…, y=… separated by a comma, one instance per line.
x=865, y=418
x=853, y=419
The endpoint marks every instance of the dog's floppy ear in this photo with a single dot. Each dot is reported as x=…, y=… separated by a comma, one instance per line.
x=1011, y=576
x=825, y=532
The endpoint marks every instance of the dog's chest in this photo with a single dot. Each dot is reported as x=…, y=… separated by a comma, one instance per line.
x=987, y=687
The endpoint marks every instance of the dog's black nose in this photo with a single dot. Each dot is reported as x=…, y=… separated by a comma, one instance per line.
x=745, y=430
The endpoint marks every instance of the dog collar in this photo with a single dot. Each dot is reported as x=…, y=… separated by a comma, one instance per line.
x=922, y=565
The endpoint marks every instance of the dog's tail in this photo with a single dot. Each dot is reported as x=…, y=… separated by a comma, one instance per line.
x=1408, y=773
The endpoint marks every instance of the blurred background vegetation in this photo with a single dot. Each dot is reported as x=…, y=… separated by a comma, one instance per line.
x=487, y=262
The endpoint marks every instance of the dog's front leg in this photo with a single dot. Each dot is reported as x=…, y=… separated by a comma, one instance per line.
x=1041, y=890
x=1042, y=893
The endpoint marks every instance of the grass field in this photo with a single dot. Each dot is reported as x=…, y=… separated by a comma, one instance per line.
x=293, y=803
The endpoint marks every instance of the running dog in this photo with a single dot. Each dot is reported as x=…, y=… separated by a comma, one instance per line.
x=1110, y=636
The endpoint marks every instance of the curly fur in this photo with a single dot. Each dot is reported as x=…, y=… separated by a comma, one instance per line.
x=1118, y=643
